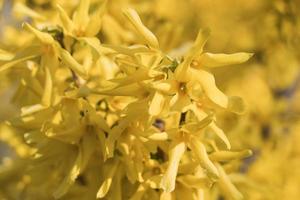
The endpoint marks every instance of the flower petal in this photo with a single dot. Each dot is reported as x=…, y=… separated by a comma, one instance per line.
x=67, y=23
x=143, y=31
x=72, y=63
x=219, y=132
x=208, y=84
x=47, y=95
x=229, y=155
x=20, y=8
x=43, y=37
x=5, y=55
x=219, y=60
x=81, y=15
x=201, y=155
x=15, y=62
x=85, y=151
x=182, y=70
x=226, y=185
x=157, y=104
x=169, y=178
x=96, y=20
x=111, y=167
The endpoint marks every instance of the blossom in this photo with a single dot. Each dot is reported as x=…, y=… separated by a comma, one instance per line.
x=104, y=117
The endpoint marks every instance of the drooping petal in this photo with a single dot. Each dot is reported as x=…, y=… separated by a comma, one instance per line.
x=226, y=185
x=208, y=84
x=201, y=155
x=169, y=178
x=220, y=133
x=143, y=31
x=68, y=60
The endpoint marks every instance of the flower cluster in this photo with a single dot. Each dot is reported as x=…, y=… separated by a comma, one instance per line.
x=105, y=113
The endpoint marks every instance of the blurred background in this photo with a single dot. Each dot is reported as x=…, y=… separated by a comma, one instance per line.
x=269, y=82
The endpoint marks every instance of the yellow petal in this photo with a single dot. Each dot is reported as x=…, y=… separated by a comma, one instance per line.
x=85, y=151
x=154, y=181
x=182, y=73
x=194, y=127
x=128, y=90
x=159, y=136
x=139, y=75
x=130, y=51
x=68, y=135
x=169, y=178
x=168, y=87
x=146, y=34
x=138, y=195
x=157, y=104
x=96, y=20
x=198, y=45
x=20, y=8
x=218, y=60
x=208, y=84
x=81, y=15
x=43, y=37
x=219, y=132
x=167, y=196
x=47, y=95
x=5, y=55
x=94, y=43
x=226, y=185
x=28, y=110
x=180, y=102
x=191, y=181
x=229, y=155
x=201, y=155
x=67, y=23
x=72, y=63
x=114, y=134
x=104, y=188
x=15, y=62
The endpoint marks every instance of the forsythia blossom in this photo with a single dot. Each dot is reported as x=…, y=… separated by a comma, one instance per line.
x=116, y=120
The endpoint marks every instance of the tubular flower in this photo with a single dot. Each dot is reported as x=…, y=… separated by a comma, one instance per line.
x=114, y=120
